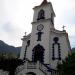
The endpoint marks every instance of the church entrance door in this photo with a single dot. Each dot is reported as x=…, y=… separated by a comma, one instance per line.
x=38, y=53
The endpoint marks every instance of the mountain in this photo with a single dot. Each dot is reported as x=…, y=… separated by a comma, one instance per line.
x=73, y=49
x=5, y=48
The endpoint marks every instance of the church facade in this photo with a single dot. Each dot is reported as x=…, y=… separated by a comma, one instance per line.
x=45, y=46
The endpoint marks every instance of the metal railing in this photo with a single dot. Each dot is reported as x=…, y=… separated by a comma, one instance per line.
x=44, y=69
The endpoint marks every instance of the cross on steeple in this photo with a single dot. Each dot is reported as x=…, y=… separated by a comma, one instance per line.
x=63, y=27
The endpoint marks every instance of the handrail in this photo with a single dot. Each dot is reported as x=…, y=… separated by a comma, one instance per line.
x=26, y=59
x=43, y=68
x=46, y=69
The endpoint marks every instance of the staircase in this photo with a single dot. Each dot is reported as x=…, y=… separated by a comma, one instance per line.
x=45, y=69
x=41, y=66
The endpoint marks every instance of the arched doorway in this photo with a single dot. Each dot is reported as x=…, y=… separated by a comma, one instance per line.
x=30, y=73
x=38, y=53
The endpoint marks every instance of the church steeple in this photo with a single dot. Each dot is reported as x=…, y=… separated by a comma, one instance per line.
x=44, y=2
x=44, y=12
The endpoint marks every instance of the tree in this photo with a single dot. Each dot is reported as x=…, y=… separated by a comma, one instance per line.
x=9, y=64
x=68, y=65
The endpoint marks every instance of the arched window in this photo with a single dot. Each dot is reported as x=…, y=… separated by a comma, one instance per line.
x=41, y=15
x=56, y=53
x=52, y=18
x=28, y=42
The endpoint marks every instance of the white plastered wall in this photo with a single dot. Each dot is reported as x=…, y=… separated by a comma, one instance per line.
x=64, y=47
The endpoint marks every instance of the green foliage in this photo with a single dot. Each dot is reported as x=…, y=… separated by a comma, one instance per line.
x=68, y=65
x=7, y=56
x=10, y=65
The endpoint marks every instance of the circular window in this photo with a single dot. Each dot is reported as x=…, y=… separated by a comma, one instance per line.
x=55, y=39
x=40, y=27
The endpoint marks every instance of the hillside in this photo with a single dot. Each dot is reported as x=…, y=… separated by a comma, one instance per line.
x=5, y=48
x=73, y=49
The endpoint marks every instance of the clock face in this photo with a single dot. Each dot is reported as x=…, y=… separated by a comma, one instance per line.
x=40, y=27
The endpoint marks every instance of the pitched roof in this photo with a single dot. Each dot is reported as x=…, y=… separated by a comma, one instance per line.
x=44, y=2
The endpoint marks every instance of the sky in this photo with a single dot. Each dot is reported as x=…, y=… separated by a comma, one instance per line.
x=16, y=17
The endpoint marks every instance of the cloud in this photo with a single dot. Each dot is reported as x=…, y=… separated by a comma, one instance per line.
x=72, y=41
x=16, y=17
x=7, y=27
x=65, y=15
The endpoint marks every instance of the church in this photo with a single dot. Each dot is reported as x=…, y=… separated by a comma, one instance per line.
x=45, y=46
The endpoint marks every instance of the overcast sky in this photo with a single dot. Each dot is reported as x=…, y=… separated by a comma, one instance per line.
x=16, y=17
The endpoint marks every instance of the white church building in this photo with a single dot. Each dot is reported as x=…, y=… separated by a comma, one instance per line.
x=45, y=46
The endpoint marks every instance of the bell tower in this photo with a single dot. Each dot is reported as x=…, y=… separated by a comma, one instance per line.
x=44, y=12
